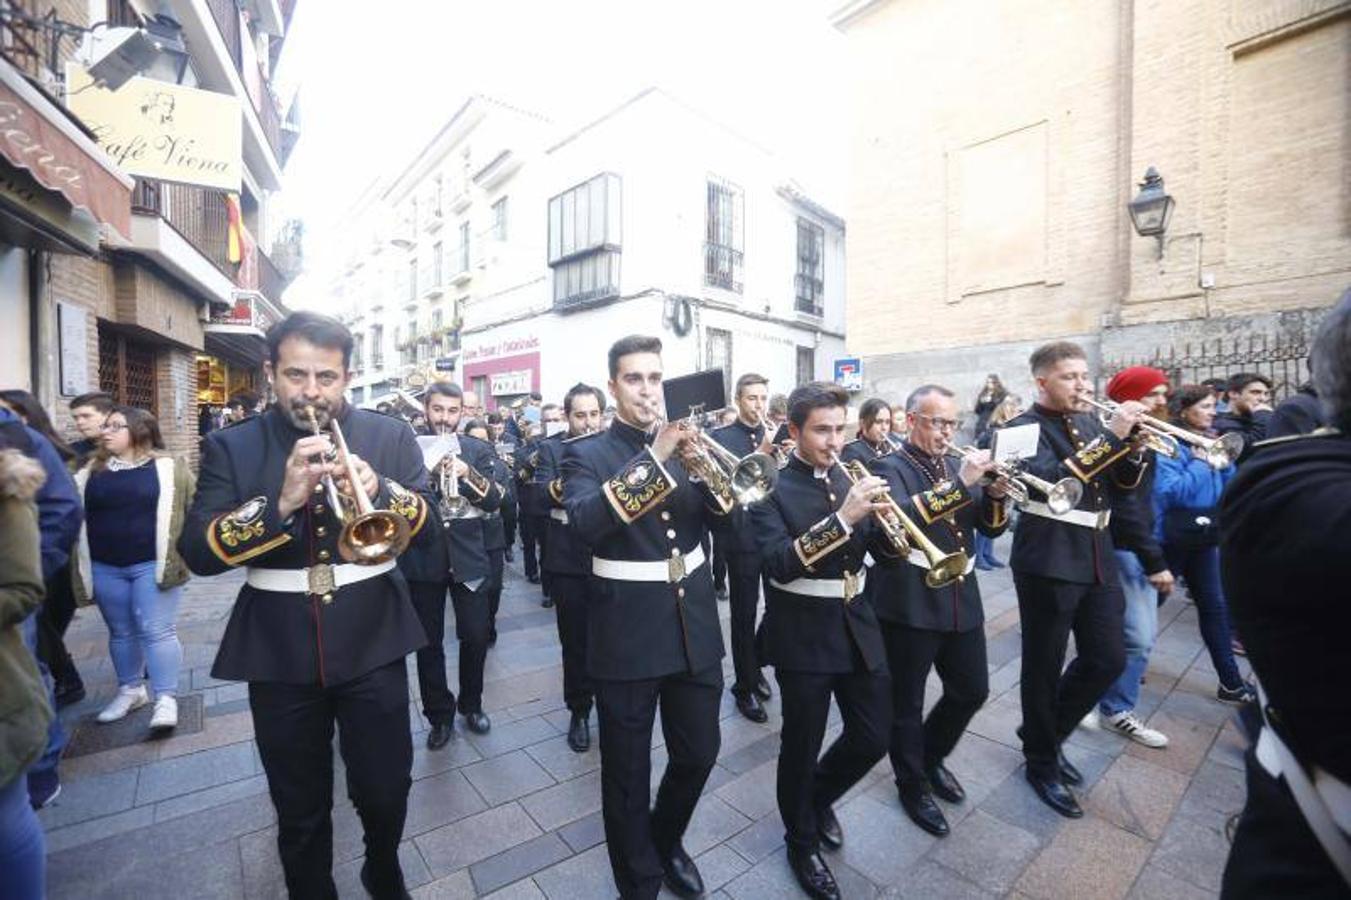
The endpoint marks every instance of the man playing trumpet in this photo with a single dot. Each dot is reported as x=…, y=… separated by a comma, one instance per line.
x=320, y=642
x=926, y=627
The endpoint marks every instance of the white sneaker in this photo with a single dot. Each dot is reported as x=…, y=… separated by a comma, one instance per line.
x=1127, y=725
x=1091, y=722
x=126, y=700
x=166, y=712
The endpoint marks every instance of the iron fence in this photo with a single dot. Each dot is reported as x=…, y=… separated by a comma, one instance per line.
x=1282, y=358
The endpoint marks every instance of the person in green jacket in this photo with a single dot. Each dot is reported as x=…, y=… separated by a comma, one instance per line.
x=24, y=711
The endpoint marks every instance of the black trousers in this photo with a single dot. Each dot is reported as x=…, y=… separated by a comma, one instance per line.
x=570, y=598
x=743, y=570
x=293, y=725
x=493, y=586
x=471, y=627
x=531, y=545
x=1054, y=702
x=719, y=563
x=54, y=617
x=509, y=521
x=806, y=784
x=918, y=742
x=1275, y=853
x=539, y=527
x=638, y=837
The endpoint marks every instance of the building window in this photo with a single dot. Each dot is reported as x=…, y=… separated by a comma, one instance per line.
x=723, y=247
x=412, y=280
x=585, y=241
x=437, y=193
x=806, y=365
x=499, y=229
x=438, y=318
x=127, y=370
x=718, y=352
x=358, y=346
x=811, y=268
x=437, y=265
x=462, y=260
x=378, y=346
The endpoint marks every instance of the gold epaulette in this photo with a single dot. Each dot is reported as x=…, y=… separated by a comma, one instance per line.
x=816, y=542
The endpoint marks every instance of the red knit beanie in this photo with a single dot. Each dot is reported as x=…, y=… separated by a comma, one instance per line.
x=1133, y=383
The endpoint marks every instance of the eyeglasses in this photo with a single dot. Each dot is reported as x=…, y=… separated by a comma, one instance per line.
x=940, y=424
x=110, y=428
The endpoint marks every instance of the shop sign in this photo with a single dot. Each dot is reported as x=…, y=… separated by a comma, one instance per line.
x=73, y=331
x=250, y=311
x=165, y=131
x=504, y=347
x=849, y=373
x=445, y=364
x=515, y=382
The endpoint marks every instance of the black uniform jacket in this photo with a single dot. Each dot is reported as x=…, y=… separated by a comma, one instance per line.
x=629, y=507
x=527, y=459
x=734, y=533
x=494, y=532
x=932, y=495
x=1284, y=521
x=1078, y=446
x=800, y=536
x=564, y=552
x=461, y=554
x=859, y=450
x=298, y=637
x=1133, y=519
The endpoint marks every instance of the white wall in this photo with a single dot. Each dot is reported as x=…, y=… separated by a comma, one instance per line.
x=15, y=352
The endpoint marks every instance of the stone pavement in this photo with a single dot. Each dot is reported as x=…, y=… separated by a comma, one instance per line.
x=516, y=814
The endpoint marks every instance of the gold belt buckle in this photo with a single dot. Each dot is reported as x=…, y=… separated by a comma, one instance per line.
x=321, y=579
x=850, y=586
x=675, y=569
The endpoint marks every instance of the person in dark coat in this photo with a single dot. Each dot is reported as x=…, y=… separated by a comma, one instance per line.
x=1300, y=413
x=319, y=641
x=1283, y=526
x=653, y=637
x=1249, y=410
x=874, y=431
x=992, y=393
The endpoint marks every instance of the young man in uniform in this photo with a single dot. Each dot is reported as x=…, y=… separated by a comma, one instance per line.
x=567, y=559
x=927, y=627
x=744, y=436
x=820, y=633
x=653, y=636
x=320, y=642
x=458, y=562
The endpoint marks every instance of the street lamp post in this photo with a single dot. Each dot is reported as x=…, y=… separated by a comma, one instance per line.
x=1152, y=208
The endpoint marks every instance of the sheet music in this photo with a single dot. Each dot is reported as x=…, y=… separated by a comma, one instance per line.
x=435, y=447
x=1019, y=442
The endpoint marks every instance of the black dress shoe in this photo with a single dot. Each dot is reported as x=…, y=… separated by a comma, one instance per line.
x=1055, y=795
x=720, y=591
x=508, y=555
x=397, y=890
x=813, y=875
x=919, y=805
x=492, y=637
x=478, y=722
x=547, y=603
x=749, y=706
x=828, y=828
x=945, y=784
x=762, y=689
x=533, y=579
x=1068, y=772
x=681, y=875
x=579, y=733
x=440, y=735
x=69, y=692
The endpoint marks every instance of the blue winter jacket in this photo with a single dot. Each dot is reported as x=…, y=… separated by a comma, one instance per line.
x=1186, y=481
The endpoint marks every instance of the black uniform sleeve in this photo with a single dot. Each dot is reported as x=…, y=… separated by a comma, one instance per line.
x=405, y=488
x=600, y=502
x=548, y=483
x=221, y=529
x=788, y=556
x=994, y=515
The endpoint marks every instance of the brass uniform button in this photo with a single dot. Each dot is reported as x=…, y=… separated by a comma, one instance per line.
x=326, y=599
x=324, y=556
x=680, y=592
x=832, y=498
x=321, y=531
x=675, y=551
x=665, y=516
x=320, y=509
x=670, y=533
x=319, y=488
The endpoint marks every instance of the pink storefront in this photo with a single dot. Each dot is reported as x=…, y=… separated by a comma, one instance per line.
x=499, y=374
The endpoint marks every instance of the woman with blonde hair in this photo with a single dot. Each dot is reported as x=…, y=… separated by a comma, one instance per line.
x=1010, y=406
x=135, y=496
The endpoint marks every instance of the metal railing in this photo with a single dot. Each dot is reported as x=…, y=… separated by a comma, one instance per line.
x=271, y=282
x=226, y=15
x=198, y=214
x=722, y=266
x=1284, y=358
x=809, y=295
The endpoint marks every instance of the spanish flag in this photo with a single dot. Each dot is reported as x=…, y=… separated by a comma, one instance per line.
x=234, y=229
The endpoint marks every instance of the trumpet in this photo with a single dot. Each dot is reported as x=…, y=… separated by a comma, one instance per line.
x=1061, y=496
x=902, y=533
x=739, y=480
x=779, y=455
x=1221, y=452
x=372, y=536
x=1151, y=433
x=452, y=505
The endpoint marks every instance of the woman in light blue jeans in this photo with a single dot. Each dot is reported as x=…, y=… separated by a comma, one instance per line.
x=134, y=501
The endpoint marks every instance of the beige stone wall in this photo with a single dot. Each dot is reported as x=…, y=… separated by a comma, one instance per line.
x=997, y=143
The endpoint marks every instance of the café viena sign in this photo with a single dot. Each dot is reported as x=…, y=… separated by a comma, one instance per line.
x=164, y=131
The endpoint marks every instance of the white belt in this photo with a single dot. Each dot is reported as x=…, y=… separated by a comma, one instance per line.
x=559, y=515
x=470, y=512
x=667, y=570
x=301, y=581
x=1081, y=517
x=917, y=559
x=827, y=588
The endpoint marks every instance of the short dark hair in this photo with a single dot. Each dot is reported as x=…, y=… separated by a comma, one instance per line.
x=536, y=397
x=634, y=343
x=578, y=390
x=315, y=328
x=867, y=413
x=98, y=399
x=35, y=417
x=494, y=418
x=1217, y=384
x=445, y=389
x=1239, y=381
x=1330, y=360
x=472, y=424
x=246, y=399
x=546, y=407
x=1186, y=397
x=1048, y=355
x=778, y=405
x=814, y=395
x=924, y=390
x=747, y=380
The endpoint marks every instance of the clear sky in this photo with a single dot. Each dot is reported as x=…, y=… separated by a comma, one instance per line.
x=376, y=80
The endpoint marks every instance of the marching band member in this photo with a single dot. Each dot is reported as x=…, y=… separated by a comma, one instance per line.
x=653, y=636
x=874, y=426
x=318, y=641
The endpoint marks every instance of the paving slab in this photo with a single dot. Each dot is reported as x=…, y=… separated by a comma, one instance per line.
x=987, y=852
x=1091, y=858
x=1138, y=796
x=477, y=837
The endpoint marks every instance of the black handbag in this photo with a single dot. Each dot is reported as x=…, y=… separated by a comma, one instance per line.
x=1191, y=527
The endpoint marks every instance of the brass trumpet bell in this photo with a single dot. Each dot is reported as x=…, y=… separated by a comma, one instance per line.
x=370, y=536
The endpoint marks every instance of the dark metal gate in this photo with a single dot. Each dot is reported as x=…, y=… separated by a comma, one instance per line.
x=1284, y=359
